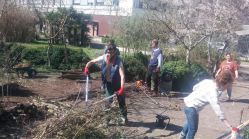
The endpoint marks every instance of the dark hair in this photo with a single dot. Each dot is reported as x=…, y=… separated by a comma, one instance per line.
x=111, y=47
x=111, y=41
x=155, y=41
x=224, y=78
x=228, y=54
x=231, y=55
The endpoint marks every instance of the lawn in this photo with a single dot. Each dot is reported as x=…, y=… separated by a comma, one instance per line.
x=91, y=52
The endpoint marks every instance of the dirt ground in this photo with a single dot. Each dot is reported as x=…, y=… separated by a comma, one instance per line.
x=141, y=109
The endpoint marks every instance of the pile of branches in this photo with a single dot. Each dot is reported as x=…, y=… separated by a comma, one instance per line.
x=86, y=124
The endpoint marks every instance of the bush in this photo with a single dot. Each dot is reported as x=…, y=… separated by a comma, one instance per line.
x=38, y=57
x=118, y=42
x=105, y=39
x=185, y=77
x=135, y=66
x=198, y=73
x=10, y=54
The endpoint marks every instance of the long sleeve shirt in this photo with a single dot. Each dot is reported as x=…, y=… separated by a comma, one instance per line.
x=156, y=58
x=203, y=93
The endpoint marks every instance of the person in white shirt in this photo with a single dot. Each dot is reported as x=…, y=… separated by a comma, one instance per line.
x=205, y=92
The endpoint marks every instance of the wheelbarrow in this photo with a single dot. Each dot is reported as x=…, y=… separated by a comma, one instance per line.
x=21, y=70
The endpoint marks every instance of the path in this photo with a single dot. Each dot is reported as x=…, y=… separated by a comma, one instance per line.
x=142, y=116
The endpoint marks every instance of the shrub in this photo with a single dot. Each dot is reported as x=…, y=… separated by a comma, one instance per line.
x=118, y=42
x=10, y=54
x=105, y=39
x=38, y=57
x=15, y=51
x=135, y=66
x=198, y=73
x=185, y=76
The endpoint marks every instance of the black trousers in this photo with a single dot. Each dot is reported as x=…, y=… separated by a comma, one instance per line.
x=155, y=75
x=121, y=100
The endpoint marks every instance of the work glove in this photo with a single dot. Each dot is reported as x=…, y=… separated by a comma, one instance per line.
x=157, y=69
x=121, y=91
x=86, y=71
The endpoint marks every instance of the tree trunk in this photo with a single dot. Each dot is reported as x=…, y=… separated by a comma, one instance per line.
x=69, y=35
x=51, y=34
x=82, y=36
x=48, y=55
x=187, y=56
x=57, y=35
x=8, y=89
x=218, y=60
x=2, y=87
x=65, y=47
x=210, y=64
x=75, y=35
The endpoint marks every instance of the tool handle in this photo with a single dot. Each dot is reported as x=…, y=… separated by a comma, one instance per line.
x=243, y=125
x=87, y=80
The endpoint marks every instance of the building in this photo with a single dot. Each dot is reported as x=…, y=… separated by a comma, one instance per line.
x=104, y=12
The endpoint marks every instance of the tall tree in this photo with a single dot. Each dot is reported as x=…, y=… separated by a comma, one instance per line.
x=193, y=21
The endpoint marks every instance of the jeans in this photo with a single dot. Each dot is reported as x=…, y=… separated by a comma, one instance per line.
x=229, y=92
x=121, y=101
x=155, y=75
x=191, y=125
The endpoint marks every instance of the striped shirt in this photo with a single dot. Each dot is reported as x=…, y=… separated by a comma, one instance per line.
x=203, y=93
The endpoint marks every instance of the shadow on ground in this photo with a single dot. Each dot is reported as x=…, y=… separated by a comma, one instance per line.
x=16, y=90
x=152, y=126
x=37, y=77
x=243, y=76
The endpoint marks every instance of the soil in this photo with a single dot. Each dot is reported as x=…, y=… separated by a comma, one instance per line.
x=142, y=111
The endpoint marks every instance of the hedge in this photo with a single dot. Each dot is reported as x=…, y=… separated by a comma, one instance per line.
x=38, y=57
x=135, y=66
x=185, y=76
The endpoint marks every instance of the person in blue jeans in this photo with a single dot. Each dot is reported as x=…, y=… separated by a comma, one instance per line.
x=205, y=92
x=232, y=66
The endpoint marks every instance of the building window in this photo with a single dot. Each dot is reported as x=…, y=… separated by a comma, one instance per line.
x=90, y=3
x=116, y=3
x=140, y=5
x=99, y=3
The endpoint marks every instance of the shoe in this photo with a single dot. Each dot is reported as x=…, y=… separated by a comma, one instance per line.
x=155, y=94
x=182, y=137
x=147, y=89
x=124, y=121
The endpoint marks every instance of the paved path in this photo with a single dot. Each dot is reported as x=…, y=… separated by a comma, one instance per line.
x=143, y=114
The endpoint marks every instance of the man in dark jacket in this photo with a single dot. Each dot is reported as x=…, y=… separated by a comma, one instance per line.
x=114, y=79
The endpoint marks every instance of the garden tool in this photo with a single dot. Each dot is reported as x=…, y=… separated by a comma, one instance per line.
x=102, y=100
x=87, y=80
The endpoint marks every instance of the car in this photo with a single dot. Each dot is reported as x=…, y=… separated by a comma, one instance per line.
x=218, y=45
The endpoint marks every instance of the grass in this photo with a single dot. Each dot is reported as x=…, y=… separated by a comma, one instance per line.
x=91, y=52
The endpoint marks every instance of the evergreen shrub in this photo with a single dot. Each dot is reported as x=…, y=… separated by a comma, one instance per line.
x=185, y=76
x=37, y=56
x=135, y=66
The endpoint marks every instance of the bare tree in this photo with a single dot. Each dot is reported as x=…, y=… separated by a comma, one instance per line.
x=192, y=22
